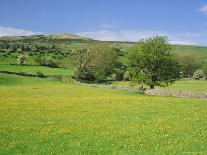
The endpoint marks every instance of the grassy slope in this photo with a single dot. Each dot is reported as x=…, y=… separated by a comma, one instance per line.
x=47, y=116
x=197, y=52
x=44, y=115
x=68, y=41
x=189, y=85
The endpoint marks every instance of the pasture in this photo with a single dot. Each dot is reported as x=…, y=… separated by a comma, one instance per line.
x=53, y=116
x=42, y=116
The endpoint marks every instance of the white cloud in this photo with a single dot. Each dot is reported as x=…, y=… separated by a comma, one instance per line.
x=8, y=31
x=126, y=35
x=123, y=35
x=203, y=9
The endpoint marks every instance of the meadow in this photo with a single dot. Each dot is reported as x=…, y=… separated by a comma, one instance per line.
x=54, y=116
x=43, y=116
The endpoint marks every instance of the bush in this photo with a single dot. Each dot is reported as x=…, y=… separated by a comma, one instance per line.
x=204, y=68
x=126, y=76
x=189, y=66
x=94, y=64
x=198, y=74
x=113, y=77
x=50, y=62
x=30, y=54
x=21, y=59
x=40, y=74
x=47, y=61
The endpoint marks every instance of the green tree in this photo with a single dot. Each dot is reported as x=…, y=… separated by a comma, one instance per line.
x=21, y=59
x=198, y=74
x=82, y=63
x=154, y=58
x=47, y=61
x=189, y=65
x=103, y=63
x=94, y=64
x=204, y=68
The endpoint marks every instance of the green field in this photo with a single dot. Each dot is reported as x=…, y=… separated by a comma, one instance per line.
x=60, y=116
x=199, y=53
x=189, y=85
x=35, y=69
x=45, y=116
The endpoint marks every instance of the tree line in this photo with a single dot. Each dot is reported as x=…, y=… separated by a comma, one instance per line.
x=151, y=61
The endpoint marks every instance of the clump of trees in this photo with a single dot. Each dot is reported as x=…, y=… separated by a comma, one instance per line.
x=94, y=64
x=189, y=65
x=47, y=61
x=152, y=62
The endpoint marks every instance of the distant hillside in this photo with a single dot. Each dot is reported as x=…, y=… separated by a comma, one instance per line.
x=66, y=42
x=199, y=52
x=59, y=36
x=67, y=36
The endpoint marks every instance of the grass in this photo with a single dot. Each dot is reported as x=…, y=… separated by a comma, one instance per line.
x=189, y=85
x=44, y=116
x=13, y=80
x=199, y=53
x=47, y=116
x=35, y=69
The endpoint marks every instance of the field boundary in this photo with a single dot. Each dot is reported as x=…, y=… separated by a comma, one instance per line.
x=157, y=92
x=32, y=75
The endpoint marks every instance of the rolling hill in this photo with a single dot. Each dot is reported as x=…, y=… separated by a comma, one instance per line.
x=65, y=42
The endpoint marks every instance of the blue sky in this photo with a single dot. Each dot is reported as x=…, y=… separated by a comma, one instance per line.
x=183, y=21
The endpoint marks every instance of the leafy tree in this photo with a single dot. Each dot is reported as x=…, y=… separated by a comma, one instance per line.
x=53, y=46
x=204, y=68
x=189, y=65
x=82, y=62
x=94, y=64
x=140, y=78
x=103, y=63
x=154, y=58
x=21, y=59
x=119, y=69
x=126, y=76
x=22, y=48
x=199, y=74
x=47, y=61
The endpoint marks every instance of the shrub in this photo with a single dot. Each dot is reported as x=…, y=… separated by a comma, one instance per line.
x=113, y=77
x=30, y=54
x=204, y=68
x=50, y=62
x=189, y=65
x=21, y=59
x=47, y=61
x=40, y=74
x=198, y=74
x=126, y=76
